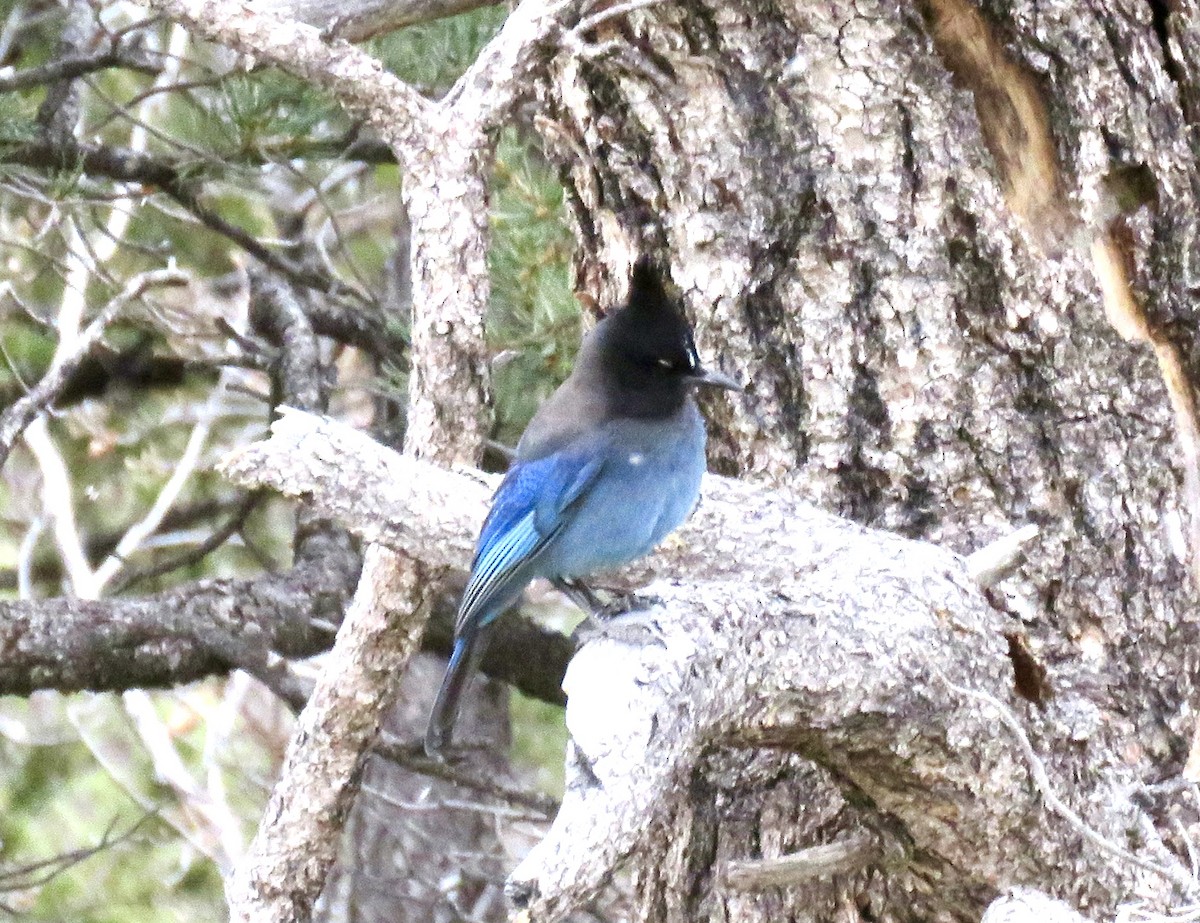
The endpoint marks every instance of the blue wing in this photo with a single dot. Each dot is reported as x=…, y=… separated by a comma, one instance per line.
x=527, y=512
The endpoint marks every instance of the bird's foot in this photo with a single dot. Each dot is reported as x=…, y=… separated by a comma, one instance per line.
x=635, y=628
x=583, y=596
x=623, y=605
x=594, y=606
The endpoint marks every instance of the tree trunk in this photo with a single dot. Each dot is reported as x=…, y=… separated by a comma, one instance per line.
x=953, y=251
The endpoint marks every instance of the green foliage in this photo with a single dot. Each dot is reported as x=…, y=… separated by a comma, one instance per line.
x=60, y=801
x=533, y=322
x=539, y=741
x=271, y=110
x=248, y=142
x=17, y=123
x=432, y=55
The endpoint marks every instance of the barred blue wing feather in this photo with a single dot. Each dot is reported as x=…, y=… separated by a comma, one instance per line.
x=495, y=566
x=527, y=513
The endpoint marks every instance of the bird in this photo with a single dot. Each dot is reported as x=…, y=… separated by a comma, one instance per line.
x=609, y=466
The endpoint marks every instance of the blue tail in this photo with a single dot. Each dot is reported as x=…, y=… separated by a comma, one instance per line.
x=467, y=649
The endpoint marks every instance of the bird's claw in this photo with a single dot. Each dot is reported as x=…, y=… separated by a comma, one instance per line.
x=636, y=628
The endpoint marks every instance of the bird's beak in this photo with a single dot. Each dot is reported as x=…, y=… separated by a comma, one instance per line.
x=715, y=379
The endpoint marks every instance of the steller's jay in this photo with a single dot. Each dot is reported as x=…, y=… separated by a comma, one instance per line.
x=608, y=466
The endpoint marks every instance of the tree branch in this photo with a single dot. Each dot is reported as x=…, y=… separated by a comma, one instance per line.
x=363, y=19
x=781, y=627
x=285, y=868
x=73, y=66
x=162, y=640
x=183, y=634
x=20, y=414
x=359, y=81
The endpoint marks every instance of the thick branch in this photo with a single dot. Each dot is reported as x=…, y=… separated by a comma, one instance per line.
x=176, y=637
x=285, y=868
x=433, y=513
x=165, y=639
x=358, y=80
x=781, y=627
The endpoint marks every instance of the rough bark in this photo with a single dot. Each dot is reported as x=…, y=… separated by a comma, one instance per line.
x=284, y=870
x=953, y=249
x=177, y=636
x=212, y=626
x=916, y=252
x=790, y=651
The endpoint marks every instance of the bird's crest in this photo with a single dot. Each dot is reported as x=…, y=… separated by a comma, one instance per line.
x=647, y=291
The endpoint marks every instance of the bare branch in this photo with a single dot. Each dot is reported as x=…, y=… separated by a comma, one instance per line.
x=168, y=638
x=427, y=511
x=484, y=95
x=208, y=627
x=215, y=540
x=412, y=756
x=20, y=414
x=369, y=489
x=72, y=66
x=184, y=468
x=285, y=868
x=35, y=874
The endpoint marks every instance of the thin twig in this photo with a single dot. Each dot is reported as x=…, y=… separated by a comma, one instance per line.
x=44, y=871
x=412, y=757
x=21, y=414
x=217, y=823
x=116, y=767
x=57, y=494
x=68, y=68
x=167, y=495
x=210, y=544
x=1041, y=780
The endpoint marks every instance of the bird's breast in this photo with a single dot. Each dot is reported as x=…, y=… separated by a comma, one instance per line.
x=647, y=488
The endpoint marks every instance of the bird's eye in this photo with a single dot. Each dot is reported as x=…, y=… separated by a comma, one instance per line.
x=665, y=363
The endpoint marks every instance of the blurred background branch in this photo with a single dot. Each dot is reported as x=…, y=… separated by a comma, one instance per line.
x=127, y=148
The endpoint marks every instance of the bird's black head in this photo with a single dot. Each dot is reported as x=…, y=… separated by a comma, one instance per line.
x=646, y=353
